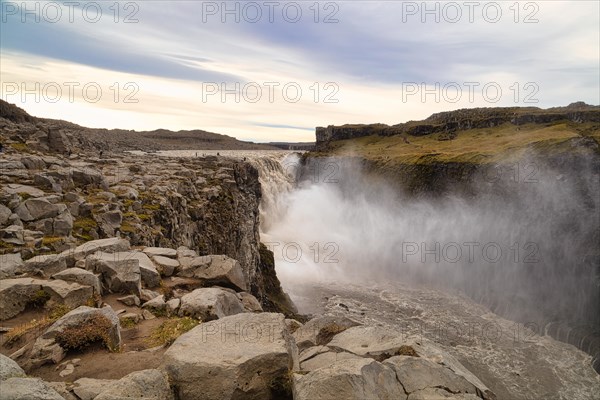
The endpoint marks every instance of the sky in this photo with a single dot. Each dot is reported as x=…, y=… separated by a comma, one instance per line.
x=274, y=70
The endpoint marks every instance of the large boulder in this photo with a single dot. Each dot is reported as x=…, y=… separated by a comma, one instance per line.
x=105, y=245
x=89, y=177
x=81, y=276
x=384, y=344
x=89, y=388
x=10, y=265
x=120, y=274
x=150, y=275
x=34, y=163
x=245, y=356
x=48, y=264
x=417, y=373
x=9, y=369
x=41, y=208
x=210, y=303
x=17, y=294
x=145, y=384
x=215, y=270
x=63, y=224
x=27, y=388
x=349, y=379
x=250, y=303
x=101, y=323
x=165, y=265
x=110, y=221
x=72, y=295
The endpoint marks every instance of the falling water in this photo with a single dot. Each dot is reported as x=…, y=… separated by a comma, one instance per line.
x=525, y=249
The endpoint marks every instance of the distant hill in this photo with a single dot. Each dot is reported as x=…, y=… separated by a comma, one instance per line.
x=57, y=135
x=477, y=135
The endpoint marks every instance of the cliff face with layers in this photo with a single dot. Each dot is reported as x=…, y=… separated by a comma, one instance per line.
x=50, y=202
x=451, y=122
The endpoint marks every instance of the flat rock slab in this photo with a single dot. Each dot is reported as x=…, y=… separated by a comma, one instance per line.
x=12, y=188
x=81, y=276
x=160, y=251
x=416, y=373
x=210, y=303
x=105, y=245
x=368, y=341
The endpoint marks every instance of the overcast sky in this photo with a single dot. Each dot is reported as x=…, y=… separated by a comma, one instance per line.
x=297, y=65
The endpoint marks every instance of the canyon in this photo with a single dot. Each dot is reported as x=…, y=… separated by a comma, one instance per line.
x=275, y=274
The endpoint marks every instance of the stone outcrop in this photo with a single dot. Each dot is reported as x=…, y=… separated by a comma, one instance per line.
x=51, y=204
x=17, y=294
x=240, y=356
x=120, y=274
x=352, y=379
x=149, y=383
x=210, y=303
x=215, y=270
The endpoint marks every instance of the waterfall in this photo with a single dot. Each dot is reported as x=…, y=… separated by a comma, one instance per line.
x=526, y=253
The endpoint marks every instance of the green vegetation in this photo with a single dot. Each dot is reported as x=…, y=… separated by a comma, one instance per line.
x=486, y=145
x=127, y=323
x=39, y=299
x=83, y=236
x=127, y=227
x=85, y=224
x=24, y=195
x=151, y=207
x=22, y=147
x=6, y=246
x=96, y=329
x=171, y=329
x=128, y=203
x=50, y=240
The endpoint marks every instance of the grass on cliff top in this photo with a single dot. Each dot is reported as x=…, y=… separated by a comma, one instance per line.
x=473, y=146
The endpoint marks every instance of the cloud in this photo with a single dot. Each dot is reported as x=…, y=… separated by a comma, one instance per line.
x=354, y=70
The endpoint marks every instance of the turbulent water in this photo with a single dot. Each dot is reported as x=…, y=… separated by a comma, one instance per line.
x=445, y=268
